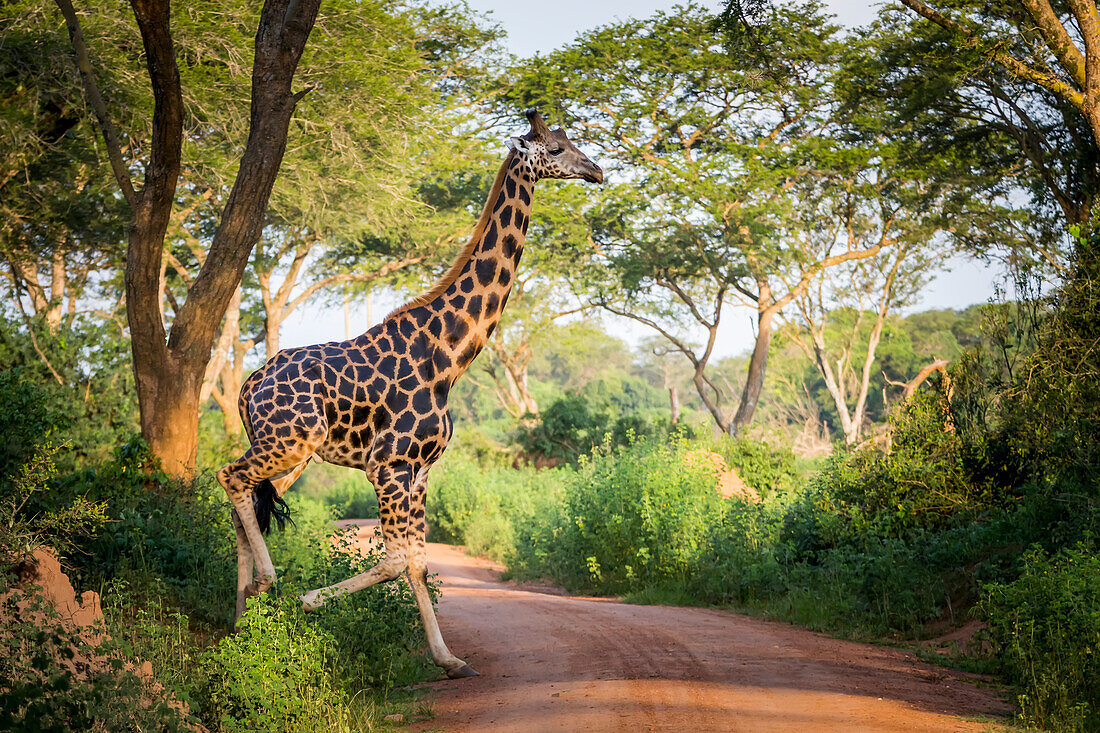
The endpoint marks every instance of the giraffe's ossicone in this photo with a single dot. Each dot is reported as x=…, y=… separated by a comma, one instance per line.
x=379, y=402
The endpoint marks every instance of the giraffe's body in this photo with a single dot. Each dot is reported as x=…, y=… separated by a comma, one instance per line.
x=379, y=402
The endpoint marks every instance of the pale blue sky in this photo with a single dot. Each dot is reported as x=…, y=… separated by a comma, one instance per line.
x=541, y=26
x=538, y=27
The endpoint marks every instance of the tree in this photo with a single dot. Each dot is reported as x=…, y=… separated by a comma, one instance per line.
x=842, y=302
x=1053, y=46
x=59, y=208
x=709, y=149
x=169, y=365
x=980, y=86
x=362, y=201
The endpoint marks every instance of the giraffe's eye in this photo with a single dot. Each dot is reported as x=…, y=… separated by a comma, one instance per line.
x=557, y=151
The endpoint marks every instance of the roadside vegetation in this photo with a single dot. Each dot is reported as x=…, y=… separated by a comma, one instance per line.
x=960, y=510
x=159, y=554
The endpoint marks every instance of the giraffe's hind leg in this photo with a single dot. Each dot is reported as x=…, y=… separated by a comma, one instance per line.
x=271, y=459
x=244, y=549
x=244, y=565
x=418, y=579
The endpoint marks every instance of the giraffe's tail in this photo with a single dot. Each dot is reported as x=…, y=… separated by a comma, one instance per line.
x=267, y=504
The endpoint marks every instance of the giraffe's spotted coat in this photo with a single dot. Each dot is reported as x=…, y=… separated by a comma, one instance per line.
x=379, y=402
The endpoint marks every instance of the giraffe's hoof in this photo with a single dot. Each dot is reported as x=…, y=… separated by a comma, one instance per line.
x=464, y=671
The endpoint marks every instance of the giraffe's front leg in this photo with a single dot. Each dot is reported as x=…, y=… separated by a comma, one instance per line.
x=418, y=579
x=393, y=484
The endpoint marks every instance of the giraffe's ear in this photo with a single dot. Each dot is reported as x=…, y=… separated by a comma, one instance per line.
x=518, y=144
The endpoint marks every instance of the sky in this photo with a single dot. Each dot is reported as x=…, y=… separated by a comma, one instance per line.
x=539, y=27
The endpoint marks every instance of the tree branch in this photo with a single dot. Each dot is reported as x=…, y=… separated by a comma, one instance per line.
x=1047, y=81
x=1057, y=39
x=87, y=76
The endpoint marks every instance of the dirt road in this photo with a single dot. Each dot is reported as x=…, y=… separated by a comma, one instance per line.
x=551, y=662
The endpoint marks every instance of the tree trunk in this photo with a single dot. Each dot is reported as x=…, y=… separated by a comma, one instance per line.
x=58, y=283
x=225, y=367
x=169, y=368
x=517, y=373
x=272, y=323
x=758, y=362
x=674, y=404
x=168, y=395
x=347, y=317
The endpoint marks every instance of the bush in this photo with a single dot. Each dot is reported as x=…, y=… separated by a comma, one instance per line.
x=377, y=632
x=274, y=674
x=480, y=506
x=157, y=527
x=1046, y=629
x=631, y=516
x=574, y=425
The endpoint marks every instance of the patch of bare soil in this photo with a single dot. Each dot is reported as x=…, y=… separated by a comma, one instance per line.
x=554, y=662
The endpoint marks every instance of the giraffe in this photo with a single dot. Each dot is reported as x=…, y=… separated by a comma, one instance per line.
x=378, y=402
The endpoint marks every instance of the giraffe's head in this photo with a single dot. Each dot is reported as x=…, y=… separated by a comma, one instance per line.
x=550, y=153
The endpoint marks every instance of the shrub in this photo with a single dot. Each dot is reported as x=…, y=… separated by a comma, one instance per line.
x=566, y=430
x=766, y=469
x=376, y=632
x=631, y=516
x=575, y=424
x=157, y=527
x=480, y=506
x=1046, y=628
x=274, y=674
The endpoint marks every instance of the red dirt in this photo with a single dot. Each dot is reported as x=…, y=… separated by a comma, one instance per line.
x=553, y=662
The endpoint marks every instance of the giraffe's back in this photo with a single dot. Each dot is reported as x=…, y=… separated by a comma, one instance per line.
x=381, y=396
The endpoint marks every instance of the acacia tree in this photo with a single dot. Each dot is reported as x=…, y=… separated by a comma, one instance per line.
x=1053, y=46
x=989, y=86
x=363, y=200
x=342, y=175
x=708, y=149
x=169, y=365
x=876, y=191
x=840, y=309
x=59, y=209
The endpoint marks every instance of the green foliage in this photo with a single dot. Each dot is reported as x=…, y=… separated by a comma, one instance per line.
x=768, y=470
x=629, y=517
x=56, y=680
x=157, y=527
x=345, y=491
x=26, y=471
x=1046, y=627
x=274, y=674
x=580, y=421
x=480, y=506
x=94, y=404
x=377, y=632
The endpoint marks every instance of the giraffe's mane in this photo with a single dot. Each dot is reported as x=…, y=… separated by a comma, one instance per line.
x=464, y=254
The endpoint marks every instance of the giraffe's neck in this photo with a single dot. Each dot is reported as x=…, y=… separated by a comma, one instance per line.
x=470, y=306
